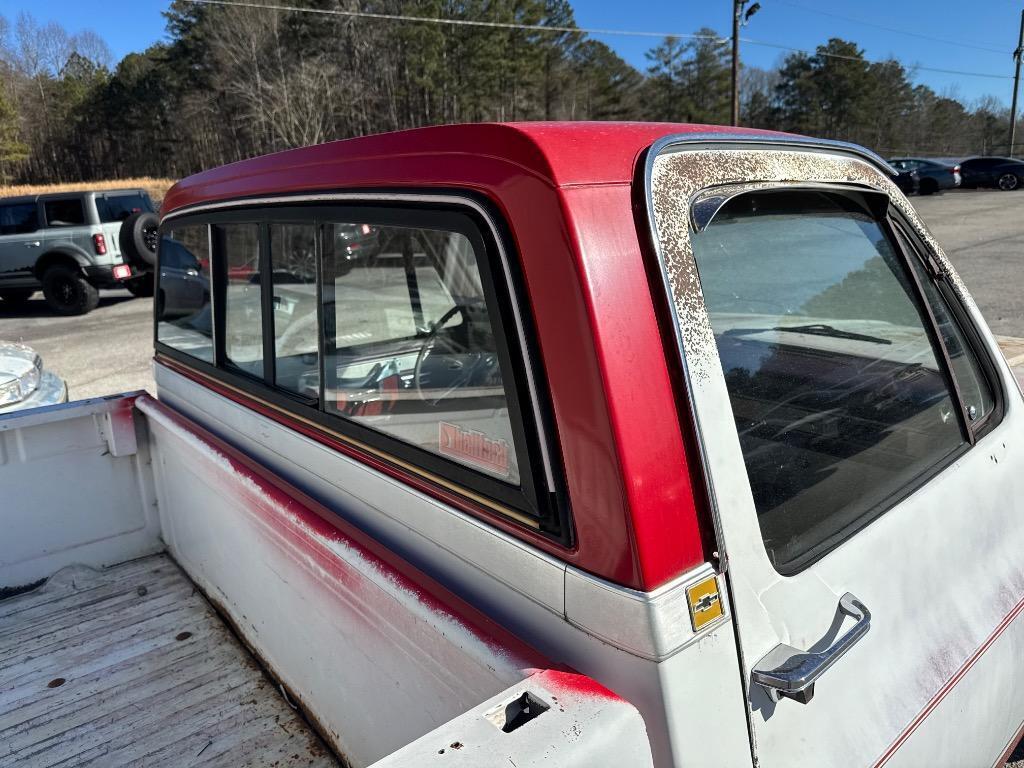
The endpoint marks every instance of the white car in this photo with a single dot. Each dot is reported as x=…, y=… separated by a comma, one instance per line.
x=23, y=382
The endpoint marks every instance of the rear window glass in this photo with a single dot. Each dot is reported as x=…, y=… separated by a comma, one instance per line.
x=18, y=218
x=243, y=306
x=838, y=396
x=64, y=213
x=293, y=254
x=184, y=319
x=410, y=349
x=114, y=208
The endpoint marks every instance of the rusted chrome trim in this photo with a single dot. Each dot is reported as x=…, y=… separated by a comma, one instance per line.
x=689, y=142
x=692, y=142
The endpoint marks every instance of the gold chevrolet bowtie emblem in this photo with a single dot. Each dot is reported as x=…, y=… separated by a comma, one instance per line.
x=705, y=602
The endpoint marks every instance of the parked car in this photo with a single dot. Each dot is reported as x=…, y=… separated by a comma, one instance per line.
x=933, y=176
x=1003, y=173
x=908, y=181
x=74, y=243
x=24, y=383
x=667, y=446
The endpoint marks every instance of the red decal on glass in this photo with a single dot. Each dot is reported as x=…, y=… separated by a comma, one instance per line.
x=473, y=447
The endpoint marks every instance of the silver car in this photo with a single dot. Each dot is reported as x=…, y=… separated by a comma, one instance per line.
x=23, y=382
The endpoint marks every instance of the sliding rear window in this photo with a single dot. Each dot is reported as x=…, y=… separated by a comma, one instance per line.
x=391, y=326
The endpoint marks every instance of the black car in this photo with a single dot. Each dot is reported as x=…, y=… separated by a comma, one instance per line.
x=933, y=176
x=1003, y=173
x=908, y=182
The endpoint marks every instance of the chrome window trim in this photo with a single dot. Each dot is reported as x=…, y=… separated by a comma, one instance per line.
x=403, y=197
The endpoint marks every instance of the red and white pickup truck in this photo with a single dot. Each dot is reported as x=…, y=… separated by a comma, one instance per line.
x=544, y=444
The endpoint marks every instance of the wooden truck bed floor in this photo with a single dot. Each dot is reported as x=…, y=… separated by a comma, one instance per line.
x=132, y=666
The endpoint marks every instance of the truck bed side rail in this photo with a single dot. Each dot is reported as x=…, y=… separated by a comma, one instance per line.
x=376, y=652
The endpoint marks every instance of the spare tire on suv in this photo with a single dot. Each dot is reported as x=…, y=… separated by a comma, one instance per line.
x=138, y=238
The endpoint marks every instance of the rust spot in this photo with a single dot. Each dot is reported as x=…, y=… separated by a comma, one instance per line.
x=57, y=682
x=183, y=636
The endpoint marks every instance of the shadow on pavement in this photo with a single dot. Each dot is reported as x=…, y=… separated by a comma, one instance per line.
x=37, y=307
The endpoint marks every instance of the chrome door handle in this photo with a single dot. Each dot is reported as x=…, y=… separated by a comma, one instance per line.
x=787, y=671
x=33, y=244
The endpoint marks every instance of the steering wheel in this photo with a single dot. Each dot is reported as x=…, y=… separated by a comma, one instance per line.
x=468, y=368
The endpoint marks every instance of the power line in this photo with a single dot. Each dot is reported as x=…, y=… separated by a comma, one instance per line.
x=546, y=28
x=857, y=58
x=450, y=22
x=896, y=30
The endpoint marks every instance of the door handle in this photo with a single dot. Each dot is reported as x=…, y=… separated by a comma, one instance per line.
x=33, y=244
x=790, y=672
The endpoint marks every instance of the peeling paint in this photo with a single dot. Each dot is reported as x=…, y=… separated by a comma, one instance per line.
x=678, y=176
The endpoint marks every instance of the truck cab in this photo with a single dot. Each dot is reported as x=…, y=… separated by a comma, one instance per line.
x=693, y=430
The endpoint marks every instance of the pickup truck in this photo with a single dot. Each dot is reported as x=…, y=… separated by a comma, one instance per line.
x=623, y=445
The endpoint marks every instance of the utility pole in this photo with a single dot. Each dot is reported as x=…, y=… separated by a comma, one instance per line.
x=1017, y=55
x=739, y=19
x=737, y=9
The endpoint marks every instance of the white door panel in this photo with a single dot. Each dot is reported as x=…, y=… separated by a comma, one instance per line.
x=941, y=571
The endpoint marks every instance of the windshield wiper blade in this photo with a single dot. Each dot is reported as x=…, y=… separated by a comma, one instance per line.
x=813, y=329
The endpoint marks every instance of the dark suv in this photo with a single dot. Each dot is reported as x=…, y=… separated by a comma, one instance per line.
x=72, y=244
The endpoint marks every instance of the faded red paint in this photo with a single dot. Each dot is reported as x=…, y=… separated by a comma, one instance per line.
x=268, y=492
x=415, y=481
x=565, y=192
x=950, y=685
x=576, y=684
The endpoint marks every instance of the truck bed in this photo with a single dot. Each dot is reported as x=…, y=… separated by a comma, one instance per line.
x=131, y=666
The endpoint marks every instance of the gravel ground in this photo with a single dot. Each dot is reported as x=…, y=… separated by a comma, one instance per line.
x=102, y=353
x=982, y=232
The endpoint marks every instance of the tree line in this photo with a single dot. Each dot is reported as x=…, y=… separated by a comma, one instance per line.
x=233, y=82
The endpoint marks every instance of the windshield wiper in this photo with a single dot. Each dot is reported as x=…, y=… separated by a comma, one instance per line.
x=813, y=329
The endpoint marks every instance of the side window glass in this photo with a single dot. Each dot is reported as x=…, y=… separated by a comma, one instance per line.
x=243, y=306
x=839, y=397
x=975, y=388
x=410, y=348
x=18, y=219
x=293, y=256
x=64, y=213
x=184, y=319
x=113, y=208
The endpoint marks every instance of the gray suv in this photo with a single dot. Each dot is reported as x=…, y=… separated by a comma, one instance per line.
x=71, y=244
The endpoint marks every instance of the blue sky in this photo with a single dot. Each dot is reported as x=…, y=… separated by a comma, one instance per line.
x=129, y=25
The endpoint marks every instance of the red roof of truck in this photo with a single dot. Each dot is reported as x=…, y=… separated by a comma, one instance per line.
x=562, y=153
x=564, y=190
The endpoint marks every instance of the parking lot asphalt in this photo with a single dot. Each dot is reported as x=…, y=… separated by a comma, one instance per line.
x=109, y=350
x=102, y=353
x=982, y=232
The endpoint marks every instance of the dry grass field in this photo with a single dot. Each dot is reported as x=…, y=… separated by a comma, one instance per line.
x=156, y=188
